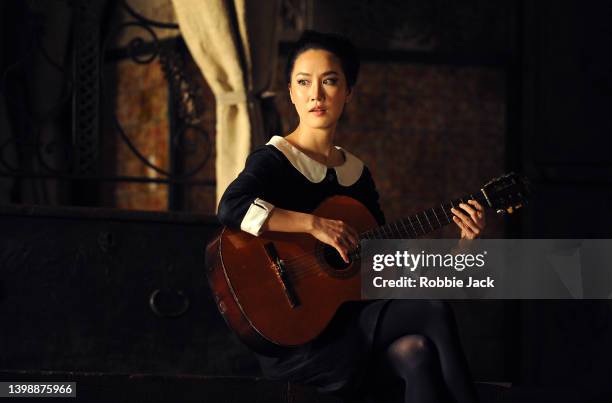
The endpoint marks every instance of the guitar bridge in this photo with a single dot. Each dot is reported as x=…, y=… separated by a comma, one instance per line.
x=281, y=272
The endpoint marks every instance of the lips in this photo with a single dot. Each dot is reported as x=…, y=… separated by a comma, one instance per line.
x=318, y=112
x=317, y=109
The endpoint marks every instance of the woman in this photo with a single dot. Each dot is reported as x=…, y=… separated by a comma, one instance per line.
x=369, y=345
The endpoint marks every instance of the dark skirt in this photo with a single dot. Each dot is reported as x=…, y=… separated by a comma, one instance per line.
x=339, y=358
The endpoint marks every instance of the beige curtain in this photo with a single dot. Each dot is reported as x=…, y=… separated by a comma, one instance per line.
x=234, y=42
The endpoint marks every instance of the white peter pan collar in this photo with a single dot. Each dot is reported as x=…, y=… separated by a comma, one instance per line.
x=348, y=173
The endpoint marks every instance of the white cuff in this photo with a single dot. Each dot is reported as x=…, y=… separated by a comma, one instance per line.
x=255, y=217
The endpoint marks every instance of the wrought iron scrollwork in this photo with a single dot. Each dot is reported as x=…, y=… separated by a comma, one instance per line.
x=186, y=103
x=77, y=157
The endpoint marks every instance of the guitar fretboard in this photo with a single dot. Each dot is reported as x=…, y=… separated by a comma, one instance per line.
x=418, y=224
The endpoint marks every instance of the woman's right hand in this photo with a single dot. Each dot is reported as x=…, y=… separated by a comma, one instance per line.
x=336, y=234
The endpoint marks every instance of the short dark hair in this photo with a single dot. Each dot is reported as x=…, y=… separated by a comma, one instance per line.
x=337, y=44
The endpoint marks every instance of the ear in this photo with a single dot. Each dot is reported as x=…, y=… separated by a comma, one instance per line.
x=349, y=95
x=290, y=93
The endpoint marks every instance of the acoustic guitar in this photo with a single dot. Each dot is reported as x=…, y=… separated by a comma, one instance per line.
x=280, y=290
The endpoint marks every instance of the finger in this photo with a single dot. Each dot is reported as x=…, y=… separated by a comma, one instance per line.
x=347, y=244
x=471, y=211
x=469, y=221
x=480, y=214
x=342, y=253
x=466, y=207
x=469, y=224
x=354, y=236
x=342, y=246
x=481, y=219
x=458, y=221
x=466, y=232
x=350, y=233
x=459, y=213
x=477, y=205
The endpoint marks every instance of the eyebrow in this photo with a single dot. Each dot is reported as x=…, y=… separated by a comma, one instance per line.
x=324, y=74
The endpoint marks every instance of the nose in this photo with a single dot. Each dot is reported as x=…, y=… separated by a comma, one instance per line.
x=316, y=92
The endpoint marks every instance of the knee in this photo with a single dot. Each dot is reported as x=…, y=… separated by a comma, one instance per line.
x=411, y=353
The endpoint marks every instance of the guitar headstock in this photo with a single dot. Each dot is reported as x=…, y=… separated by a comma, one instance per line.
x=507, y=193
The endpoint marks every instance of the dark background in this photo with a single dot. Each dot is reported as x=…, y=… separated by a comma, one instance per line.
x=450, y=95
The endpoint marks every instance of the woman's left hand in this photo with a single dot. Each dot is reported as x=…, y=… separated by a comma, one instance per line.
x=470, y=218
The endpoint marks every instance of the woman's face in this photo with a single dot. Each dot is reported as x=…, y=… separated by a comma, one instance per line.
x=318, y=88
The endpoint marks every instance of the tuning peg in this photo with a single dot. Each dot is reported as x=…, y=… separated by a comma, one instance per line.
x=501, y=211
x=510, y=210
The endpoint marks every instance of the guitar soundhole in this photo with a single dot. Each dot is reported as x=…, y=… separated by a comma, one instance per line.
x=333, y=262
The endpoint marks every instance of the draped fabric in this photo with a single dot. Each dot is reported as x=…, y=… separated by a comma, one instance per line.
x=234, y=43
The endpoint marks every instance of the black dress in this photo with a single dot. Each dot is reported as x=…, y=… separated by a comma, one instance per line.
x=278, y=174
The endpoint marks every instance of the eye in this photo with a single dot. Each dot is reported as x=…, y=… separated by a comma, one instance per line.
x=330, y=81
x=301, y=81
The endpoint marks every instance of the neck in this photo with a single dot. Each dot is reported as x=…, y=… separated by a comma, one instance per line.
x=315, y=141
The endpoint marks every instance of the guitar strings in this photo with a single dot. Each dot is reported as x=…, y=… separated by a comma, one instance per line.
x=386, y=231
x=301, y=266
x=307, y=264
x=312, y=253
x=311, y=263
x=381, y=233
x=376, y=233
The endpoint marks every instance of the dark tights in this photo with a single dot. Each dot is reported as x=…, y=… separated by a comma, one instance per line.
x=417, y=344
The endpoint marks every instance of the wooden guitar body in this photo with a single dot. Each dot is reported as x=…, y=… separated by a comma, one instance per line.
x=270, y=314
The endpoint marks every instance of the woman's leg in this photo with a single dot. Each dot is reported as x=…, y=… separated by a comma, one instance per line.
x=415, y=360
x=414, y=334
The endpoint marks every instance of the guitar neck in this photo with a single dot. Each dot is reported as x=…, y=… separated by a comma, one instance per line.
x=421, y=223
